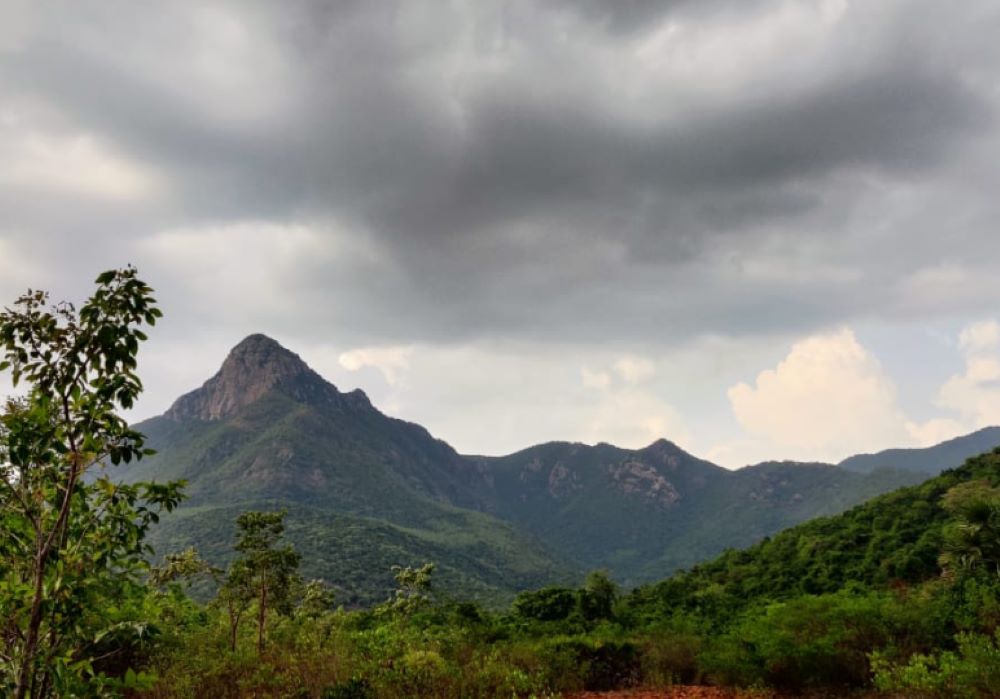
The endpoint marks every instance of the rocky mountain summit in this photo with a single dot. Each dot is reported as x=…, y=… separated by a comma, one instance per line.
x=254, y=367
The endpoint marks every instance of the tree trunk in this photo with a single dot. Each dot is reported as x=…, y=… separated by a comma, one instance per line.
x=261, y=618
x=234, y=627
x=26, y=675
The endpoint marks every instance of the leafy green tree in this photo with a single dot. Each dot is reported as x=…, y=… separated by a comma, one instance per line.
x=413, y=587
x=265, y=572
x=317, y=599
x=73, y=542
x=598, y=596
x=185, y=566
x=551, y=603
x=972, y=539
x=236, y=595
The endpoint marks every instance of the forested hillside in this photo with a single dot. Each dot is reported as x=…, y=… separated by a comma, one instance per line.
x=891, y=541
x=895, y=598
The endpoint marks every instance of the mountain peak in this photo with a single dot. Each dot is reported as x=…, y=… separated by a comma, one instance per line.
x=253, y=368
x=260, y=353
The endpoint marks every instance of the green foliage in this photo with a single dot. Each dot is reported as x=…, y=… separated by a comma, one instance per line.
x=264, y=573
x=822, y=641
x=184, y=568
x=972, y=539
x=317, y=599
x=891, y=540
x=596, y=505
x=970, y=672
x=921, y=639
x=73, y=547
x=353, y=688
x=547, y=604
x=413, y=588
x=598, y=597
x=376, y=520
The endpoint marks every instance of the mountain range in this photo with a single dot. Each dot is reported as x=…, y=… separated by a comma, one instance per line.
x=365, y=491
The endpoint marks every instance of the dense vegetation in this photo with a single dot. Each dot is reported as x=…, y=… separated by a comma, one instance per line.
x=897, y=596
x=850, y=602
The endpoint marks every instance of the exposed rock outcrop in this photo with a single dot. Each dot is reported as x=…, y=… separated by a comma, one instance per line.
x=256, y=366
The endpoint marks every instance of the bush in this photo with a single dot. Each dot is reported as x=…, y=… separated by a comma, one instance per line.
x=822, y=641
x=596, y=665
x=354, y=688
x=671, y=658
x=547, y=604
x=973, y=672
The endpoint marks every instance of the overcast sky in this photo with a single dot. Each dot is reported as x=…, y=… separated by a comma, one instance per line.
x=760, y=228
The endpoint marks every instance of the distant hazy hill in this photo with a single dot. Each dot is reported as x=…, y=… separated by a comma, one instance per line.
x=929, y=461
x=365, y=491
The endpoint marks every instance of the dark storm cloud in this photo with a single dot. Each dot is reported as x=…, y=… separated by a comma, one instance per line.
x=543, y=170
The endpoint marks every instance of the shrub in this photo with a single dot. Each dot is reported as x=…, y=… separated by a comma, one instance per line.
x=822, y=641
x=973, y=672
x=596, y=665
x=354, y=688
x=547, y=604
x=671, y=658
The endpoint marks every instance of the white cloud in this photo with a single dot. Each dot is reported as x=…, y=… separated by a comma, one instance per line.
x=982, y=337
x=935, y=431
x=632, y=418
x=17, y=271
x=499, y=399
x=249, y=268
x=627, y=369
x=827, y=399
x=389, y=361
x=598, y=380
x=633, y=370
x=975, y=393
x=947, y=285
x=74, y=164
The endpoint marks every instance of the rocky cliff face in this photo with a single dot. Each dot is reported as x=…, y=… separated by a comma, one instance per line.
x=253, y=368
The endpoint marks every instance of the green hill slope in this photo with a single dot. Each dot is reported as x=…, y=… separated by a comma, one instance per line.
x=891, y=540
x=645, y=513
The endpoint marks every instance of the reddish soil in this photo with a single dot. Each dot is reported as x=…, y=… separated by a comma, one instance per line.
x=688, y=692
x=675, y=693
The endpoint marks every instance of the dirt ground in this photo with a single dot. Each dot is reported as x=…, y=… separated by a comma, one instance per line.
x=696, y=693
x=675, y=693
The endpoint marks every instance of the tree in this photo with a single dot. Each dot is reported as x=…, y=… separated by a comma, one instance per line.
x=972, y=539
x=236, y=595
x=550, y=603
x=265, y=572
x=413, y=588
x=184, y=568
x=72, y=543
x=598, y=596
x=317, y=599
